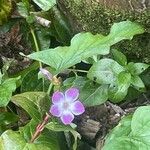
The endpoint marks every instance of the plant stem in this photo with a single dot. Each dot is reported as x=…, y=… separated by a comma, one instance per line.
x=77, y=70
x=37, y=50
x=39, y=128
x=36, y=44
x=49, y=89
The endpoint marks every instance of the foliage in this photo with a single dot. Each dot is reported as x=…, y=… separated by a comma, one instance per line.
x=26, y=97
x=5, y=8
x=62, y=58
x=131, y=132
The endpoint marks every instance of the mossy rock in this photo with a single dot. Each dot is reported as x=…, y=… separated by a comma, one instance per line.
x=97, y=16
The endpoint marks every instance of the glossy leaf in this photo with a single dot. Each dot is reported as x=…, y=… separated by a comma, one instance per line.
x=36, y=104
x=119, y=57
x=7, y=87
x=84, y=45
x=105, y=71
x=45, y=4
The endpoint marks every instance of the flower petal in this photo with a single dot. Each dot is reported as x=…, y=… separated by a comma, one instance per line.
x=72, y=94
x=77, y=108
x=67, y=118
x=46, y=73
x=57, y=97
x=55, y=110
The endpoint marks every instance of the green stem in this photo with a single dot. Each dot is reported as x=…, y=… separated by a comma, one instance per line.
x=77, y=70
x=49, y=89
x=36, y=44
x=37, y=50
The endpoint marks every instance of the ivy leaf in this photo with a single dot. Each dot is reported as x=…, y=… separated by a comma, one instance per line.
x=104, y=71
x=36, y=104
x=118, y=93
x=45, y=4
x=85, y=45
x=54, y=126
x=119, y=57
x=7, y=87
x=137, y=68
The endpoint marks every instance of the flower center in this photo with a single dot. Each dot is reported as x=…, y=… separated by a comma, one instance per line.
x=65, y=105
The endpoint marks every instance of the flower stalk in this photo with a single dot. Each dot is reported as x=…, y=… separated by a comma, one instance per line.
x=40, y=128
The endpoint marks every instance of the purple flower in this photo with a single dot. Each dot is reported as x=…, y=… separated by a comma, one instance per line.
x=46, y=73
x=66, y=105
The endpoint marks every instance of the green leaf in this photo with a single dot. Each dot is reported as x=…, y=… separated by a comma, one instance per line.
x=36, y=104
x=12, y=140
x=84, y=45
x=23, y=8
x=119, y=57
x=77, y=82
x=118, y=93
x=105, y=71
x=94, y=96
x=61, y=25
x=54, y=126
x=6, y=118
x=20, y=140
x=43, y=37
x=90, y=93
x=45, y=4
x=137, y=68
x=122, y=143
x=31, y=82
x=122, y=129
x=47, y=139
x=140, y=124
x=137, y=83
x=6, y=88
x=138, y=133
